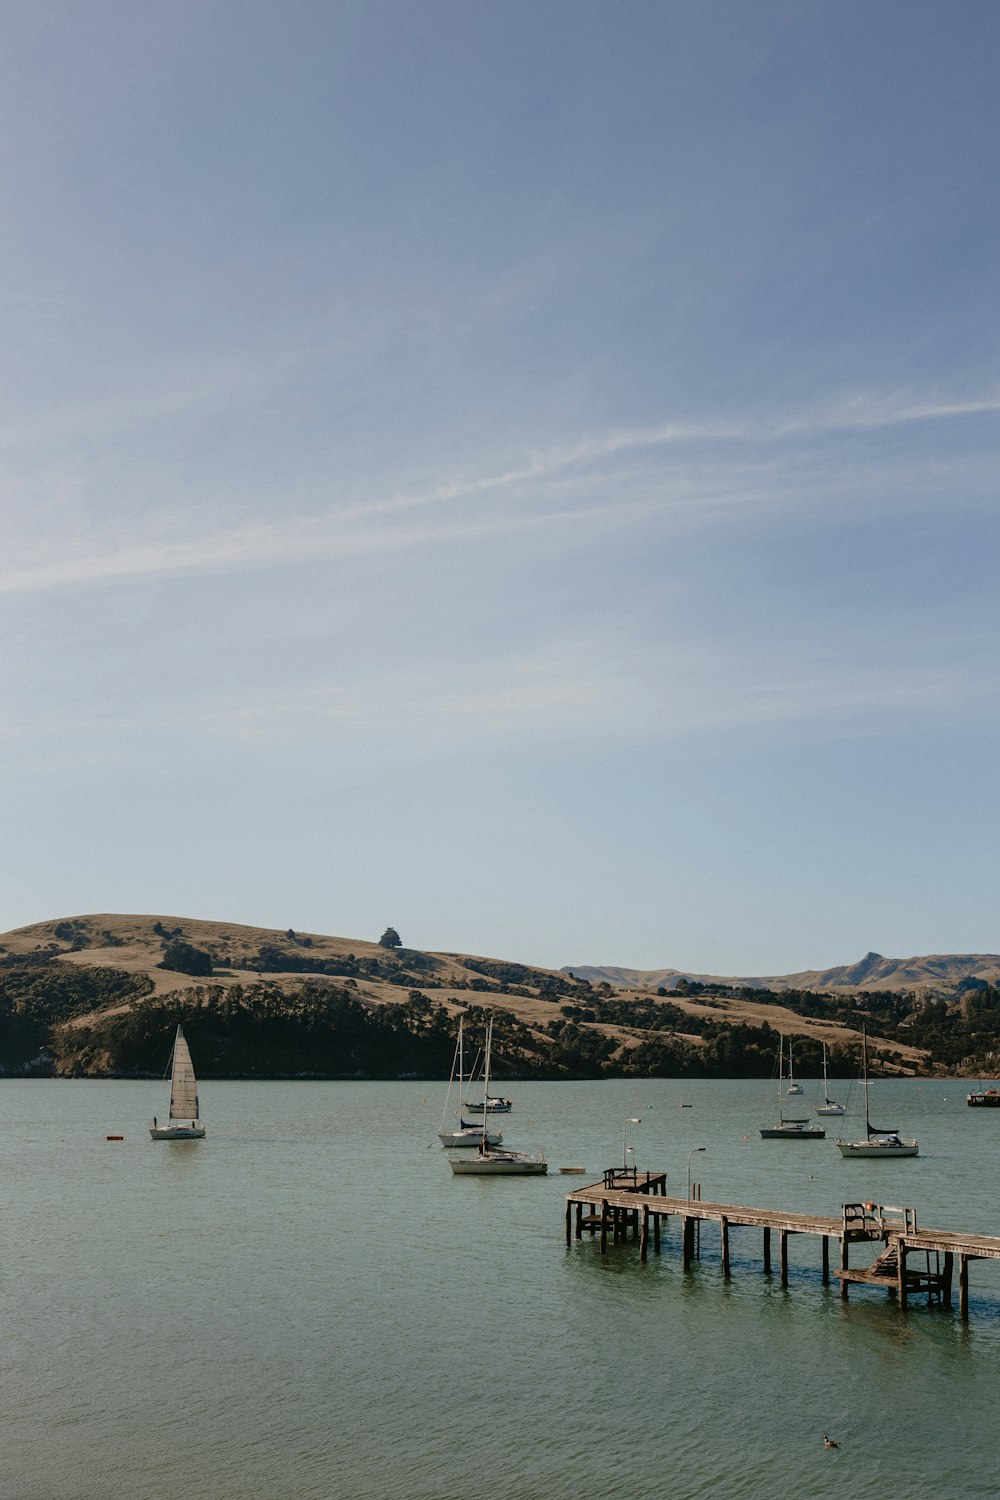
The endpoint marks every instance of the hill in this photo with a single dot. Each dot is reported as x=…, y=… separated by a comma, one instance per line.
x=101, y=994
x=936, y=972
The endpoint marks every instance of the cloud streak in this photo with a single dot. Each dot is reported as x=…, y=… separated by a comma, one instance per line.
x=717, y=475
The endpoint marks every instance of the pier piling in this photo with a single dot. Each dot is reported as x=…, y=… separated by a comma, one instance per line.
x=903, y=1268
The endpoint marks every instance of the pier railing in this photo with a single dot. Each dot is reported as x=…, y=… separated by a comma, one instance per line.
x=876, y=1221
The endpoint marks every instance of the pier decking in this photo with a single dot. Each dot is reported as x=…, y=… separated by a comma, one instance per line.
x=913, y=1262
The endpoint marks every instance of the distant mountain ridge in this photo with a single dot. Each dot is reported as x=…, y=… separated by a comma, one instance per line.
x=873, y=972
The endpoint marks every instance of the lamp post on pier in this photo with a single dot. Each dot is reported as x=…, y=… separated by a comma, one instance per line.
x=633, y=1120
x=693, y=1152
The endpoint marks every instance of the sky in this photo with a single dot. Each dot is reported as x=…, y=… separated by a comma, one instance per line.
x=524, y=473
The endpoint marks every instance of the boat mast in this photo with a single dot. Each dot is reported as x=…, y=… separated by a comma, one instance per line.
x=486, y=1082
x=456, y=1060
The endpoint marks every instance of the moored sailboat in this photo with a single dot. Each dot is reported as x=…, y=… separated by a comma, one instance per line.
x=878, y=1143
x=789, y=1127
x=183, y=1123
x=829, y=1106
x=496, y=1161
x=466, y=1133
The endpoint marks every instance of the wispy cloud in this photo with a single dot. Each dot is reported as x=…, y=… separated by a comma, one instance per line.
x=715, y=465
x=871, y=411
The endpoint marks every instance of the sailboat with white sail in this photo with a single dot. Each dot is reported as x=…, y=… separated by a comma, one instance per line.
x=789, y=1127
x=878, y=1143
x=465, y=1133
x=829, y=1106
x=496, y=1161
x=183, y=1123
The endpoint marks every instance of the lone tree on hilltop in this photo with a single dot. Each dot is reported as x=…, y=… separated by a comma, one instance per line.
x=390, y=939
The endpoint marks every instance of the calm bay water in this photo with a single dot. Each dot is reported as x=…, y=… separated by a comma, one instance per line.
x=308, y=1306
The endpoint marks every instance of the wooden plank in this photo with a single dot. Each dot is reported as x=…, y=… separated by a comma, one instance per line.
x=976, y=1246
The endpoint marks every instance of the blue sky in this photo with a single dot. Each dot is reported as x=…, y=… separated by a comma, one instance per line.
x=526, y=473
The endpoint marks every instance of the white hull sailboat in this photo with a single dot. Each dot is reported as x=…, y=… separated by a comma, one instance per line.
x=499, y=1162
x=829, y=1106
x=877, y=1144
x=183, y=1123
x=793, y=1087
x=789, y=1128
x=465, y=1133
x=496, y=1161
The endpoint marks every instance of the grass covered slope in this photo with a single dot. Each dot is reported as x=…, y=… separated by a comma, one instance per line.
x=100, y=995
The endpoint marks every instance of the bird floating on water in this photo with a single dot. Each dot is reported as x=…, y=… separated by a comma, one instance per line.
x=829, y=1442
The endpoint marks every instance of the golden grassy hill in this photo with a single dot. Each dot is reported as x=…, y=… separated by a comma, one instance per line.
x=135, y=943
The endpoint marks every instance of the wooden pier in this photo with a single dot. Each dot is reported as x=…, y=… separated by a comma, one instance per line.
x=914, y=1262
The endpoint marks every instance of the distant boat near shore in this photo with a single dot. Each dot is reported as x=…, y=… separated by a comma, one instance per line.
x=984, y=1099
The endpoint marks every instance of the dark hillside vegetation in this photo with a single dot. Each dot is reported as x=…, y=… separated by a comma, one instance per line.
x=70, y=1019
x=36, y=998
